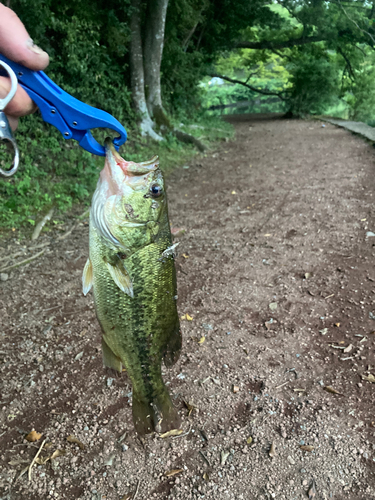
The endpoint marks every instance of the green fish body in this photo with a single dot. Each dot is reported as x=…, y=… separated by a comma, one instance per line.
x=131, y=270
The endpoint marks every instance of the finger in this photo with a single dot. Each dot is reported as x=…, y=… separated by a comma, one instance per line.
x=21, y=104
x=16, y=44
x=13, y=122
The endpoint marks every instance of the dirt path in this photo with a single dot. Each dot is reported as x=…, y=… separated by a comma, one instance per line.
x=276, y=269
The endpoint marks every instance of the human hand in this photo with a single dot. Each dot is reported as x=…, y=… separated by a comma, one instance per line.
x=16, y=44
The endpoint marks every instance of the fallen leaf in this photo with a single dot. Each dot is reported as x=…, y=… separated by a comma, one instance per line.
x=337, y=324
x=324, y=331
x=308, y=275
x=272, y=452
x=178, y=231
x=312, y=490
x=128, y=496
x=33, y=436
x=369, y=377
x=57, y=453
x=19, y=461
x=330, y=389
x=173, y=432
x=189, y=407
x=273, y=306
x=41, y=460
x=235, y=388
x=348, y=349
x=79, y=356
x=185, y=256
x=306, y=447
x=223, y=457
x=233, y=192
x=267, y=235
x=206, y=476
x=73, y=439
x=109, y=460
x=249, y=440
x=173, y=472
x=201, y=340
x=189, y=318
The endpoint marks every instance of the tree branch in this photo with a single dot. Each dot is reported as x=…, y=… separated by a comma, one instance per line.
x=348, y=63
x=254, y=89
x=267, y=44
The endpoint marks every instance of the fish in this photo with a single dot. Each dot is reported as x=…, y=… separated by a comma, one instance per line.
x=131, y=271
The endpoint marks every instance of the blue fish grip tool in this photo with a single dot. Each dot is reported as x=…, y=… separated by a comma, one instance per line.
x=73, y=118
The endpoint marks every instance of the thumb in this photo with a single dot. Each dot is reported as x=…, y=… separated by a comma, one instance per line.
x=16, y=44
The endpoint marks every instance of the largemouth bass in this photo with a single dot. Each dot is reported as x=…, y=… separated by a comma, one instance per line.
x=131, y=270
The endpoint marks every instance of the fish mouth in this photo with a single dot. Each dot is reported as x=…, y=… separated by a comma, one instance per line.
x=130, y=168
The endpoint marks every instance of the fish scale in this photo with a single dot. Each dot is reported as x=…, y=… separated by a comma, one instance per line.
x=139, y=331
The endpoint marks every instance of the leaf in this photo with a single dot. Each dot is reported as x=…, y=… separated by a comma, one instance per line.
x=330, y=389
x=223, y=457
x=189, y=407
x=337, y=324
x=369, y=378
x=249, y=440
x=272, y=452
x=348, y=349
x=324, y=331
x=206, y=477
x=173, y=472
x=189, y=318
x=233, y=192
x=128, y=496
x=19, y=461
x=73, y=439
x=79, y=356
x=273, y=306
x=41, y=460
x=235, y=388
x=312, y=491
x=201, y=340
x=57, y=453
x=173, y=432
x=185, y=256
x=306, y=447
x=33, y=436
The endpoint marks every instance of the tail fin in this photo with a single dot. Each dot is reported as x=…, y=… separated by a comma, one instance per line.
x=157, y=415
x=173, y=348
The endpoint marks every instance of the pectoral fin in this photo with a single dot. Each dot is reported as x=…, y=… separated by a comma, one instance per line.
x=121, y=277
x=87, y=277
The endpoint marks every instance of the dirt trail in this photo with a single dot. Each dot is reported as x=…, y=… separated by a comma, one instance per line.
x=276, y=269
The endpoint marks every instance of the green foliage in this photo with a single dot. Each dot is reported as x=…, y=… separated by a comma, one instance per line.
x=315, y=84
x=52, y=172
x=59, y=173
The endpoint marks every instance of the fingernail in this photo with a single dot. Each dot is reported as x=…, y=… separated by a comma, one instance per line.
x=34, y=48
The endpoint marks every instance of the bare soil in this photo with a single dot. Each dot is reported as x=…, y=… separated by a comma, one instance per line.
x=276, y=271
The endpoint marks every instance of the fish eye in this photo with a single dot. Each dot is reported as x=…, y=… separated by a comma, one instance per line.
x=155, y=191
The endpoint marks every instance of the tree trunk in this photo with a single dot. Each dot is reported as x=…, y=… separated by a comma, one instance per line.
x=137, y=73
x=153, y=50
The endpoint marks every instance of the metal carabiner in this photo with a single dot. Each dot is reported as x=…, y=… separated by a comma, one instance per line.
x=6, y=133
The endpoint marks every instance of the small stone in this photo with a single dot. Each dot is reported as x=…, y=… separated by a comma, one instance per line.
x=124, y=447
x=290, y=460
x=110, y=381
x=4, y=277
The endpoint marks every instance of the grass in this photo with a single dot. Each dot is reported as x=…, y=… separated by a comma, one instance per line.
x=58, y=173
